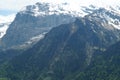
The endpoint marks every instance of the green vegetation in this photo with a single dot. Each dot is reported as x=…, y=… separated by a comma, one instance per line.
x=4, y=79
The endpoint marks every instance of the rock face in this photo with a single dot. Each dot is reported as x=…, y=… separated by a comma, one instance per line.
x=26, y=25
x=64, y=51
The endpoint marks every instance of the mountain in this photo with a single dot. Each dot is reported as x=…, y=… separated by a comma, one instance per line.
x=106, y=18
x=6, y=55
x=63, y=47
x=64, y=52
x=34, y=20
x=104, y=66
x=27, y=25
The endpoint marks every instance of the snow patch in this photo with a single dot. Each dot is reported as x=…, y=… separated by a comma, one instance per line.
x=3, y=30
x=32, y=41
x=4, y=23
x=6, y=19
x=36, y=38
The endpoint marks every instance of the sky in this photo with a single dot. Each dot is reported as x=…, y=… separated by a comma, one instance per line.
x=13, y=6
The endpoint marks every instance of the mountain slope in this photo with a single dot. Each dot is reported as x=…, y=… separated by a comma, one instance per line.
x=63, y=52
x=104, y=66
x=25, y=26
x=34, y=20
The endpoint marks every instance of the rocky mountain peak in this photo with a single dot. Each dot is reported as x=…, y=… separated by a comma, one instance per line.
x=108, y=18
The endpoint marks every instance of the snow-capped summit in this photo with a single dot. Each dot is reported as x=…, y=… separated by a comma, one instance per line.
x=34, y=20
x=42, y=9
x=110, y=19
x=68, y=7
